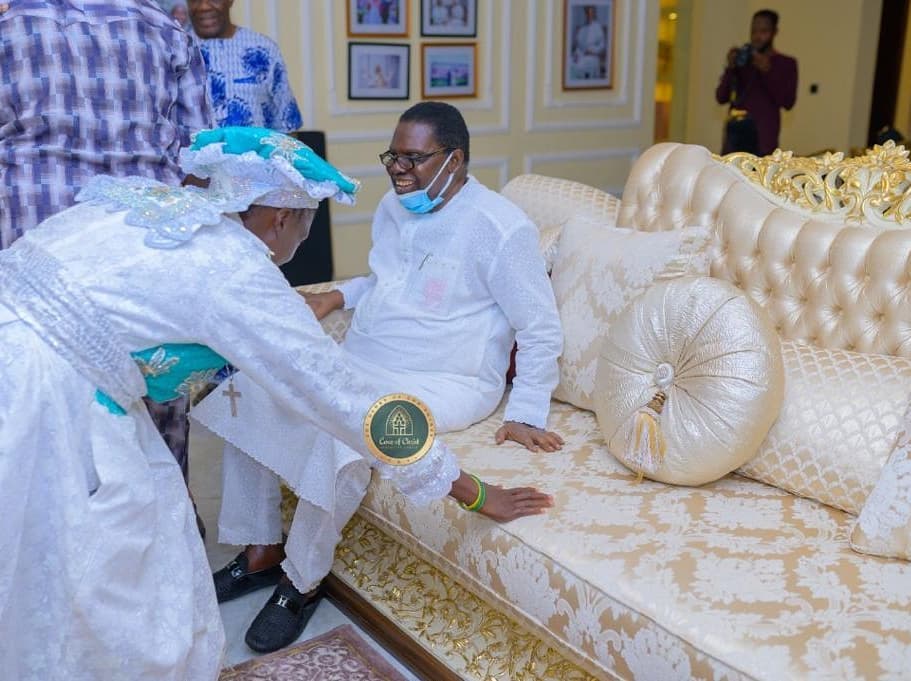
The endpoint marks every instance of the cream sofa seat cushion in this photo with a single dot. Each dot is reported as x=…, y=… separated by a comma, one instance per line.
x=884, y=525
x=598, y=270
x=839, y=421
x=733, y=580
x=714, y=355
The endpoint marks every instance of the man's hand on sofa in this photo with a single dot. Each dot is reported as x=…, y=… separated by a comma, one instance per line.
x=504, y=505
x=496, y=502
x=324, y=303
x=533, y=439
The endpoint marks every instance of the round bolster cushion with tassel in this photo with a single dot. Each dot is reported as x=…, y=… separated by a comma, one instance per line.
x=689, y=381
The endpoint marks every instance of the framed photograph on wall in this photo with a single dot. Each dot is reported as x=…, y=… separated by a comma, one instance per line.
x=588, y=44
x=448, y=70
x=449, y=18
x=377, y=18
x=378, y=70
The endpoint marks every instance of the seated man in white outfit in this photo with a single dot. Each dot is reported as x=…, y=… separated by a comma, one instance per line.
x=456, y=277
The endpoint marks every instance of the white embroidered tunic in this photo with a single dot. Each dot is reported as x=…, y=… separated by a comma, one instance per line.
x=450, y=291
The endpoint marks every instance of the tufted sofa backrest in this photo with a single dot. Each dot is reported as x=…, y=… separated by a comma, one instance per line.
x=826, y=265
x=832, y=272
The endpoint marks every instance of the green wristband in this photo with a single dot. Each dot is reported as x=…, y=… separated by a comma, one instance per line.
x=478, y=503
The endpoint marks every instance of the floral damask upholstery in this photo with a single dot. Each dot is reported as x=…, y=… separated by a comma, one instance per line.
x=336, y=323
x=550, y=204
x=884, y=525
x=731, y=580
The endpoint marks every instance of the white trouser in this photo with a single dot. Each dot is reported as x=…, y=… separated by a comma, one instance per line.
x=251, y=514
x=251, y=496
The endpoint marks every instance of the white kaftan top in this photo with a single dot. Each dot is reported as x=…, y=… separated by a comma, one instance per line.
x=449, y=292
x=106, y=576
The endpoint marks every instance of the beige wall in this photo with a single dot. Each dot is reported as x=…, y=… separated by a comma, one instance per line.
x=834, y=42
x=521, y=120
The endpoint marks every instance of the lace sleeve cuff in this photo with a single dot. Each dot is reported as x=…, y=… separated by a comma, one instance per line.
x=425, y=480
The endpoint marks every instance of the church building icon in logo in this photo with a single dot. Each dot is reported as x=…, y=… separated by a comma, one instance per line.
x=399, y=422
x=399, y=429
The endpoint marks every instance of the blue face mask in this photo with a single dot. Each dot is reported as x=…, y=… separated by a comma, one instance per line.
x=419, y=200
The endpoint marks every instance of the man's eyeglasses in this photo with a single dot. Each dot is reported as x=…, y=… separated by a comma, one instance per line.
x=406, y=161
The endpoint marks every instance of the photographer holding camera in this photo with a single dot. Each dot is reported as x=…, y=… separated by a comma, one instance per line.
x=757, y=83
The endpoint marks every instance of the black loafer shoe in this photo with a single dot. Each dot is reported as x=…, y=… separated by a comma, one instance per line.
x=282, y=619
x=234, y=580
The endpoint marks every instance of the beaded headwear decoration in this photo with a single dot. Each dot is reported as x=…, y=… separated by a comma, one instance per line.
x=248, y=165
x=244, y=166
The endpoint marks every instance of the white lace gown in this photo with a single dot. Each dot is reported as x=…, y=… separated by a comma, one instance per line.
x=104, y=575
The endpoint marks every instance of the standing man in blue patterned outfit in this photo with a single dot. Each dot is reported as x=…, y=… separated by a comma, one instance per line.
x=248, y=81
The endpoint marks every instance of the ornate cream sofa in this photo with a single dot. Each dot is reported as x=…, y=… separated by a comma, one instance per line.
x=732, y=580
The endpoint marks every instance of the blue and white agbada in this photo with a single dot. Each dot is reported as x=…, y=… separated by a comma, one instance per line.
x=248, y=82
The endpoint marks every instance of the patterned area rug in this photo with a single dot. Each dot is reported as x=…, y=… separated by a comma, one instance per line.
x=338, y=655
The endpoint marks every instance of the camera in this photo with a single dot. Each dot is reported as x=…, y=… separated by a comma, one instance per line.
x=744, y=55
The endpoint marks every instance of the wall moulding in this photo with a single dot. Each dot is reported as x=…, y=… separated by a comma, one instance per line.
x=531, y=162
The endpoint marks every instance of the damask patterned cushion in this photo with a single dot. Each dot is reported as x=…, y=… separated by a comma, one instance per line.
x=839, y=421
x=884, y=525
x=597, y=271
x=689, y=381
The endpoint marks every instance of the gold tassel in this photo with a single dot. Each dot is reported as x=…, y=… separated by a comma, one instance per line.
x=646, y=445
